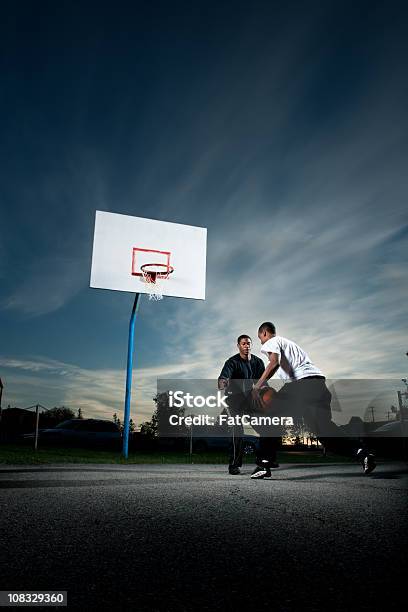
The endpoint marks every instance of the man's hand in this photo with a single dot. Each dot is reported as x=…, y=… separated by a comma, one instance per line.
x=255, y=393
x=223, y=383
x=256, y=399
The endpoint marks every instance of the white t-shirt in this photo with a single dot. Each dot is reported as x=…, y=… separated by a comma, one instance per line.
x=294, y=362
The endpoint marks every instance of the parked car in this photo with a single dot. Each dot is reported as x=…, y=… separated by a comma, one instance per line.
x=393, y=428
x=390, y=440
x=223, y=443
x=81, y=432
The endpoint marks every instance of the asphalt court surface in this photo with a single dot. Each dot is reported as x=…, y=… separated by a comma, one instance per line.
x=192, y=537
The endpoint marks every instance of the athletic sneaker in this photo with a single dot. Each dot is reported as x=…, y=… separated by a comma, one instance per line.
x=261, y=472
x=369, y=464
x=367, y=460
x=234, y=471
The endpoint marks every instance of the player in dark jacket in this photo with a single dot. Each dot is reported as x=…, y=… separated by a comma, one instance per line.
x=238, y=376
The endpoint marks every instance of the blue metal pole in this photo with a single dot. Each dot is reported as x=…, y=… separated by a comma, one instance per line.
x=126, y=416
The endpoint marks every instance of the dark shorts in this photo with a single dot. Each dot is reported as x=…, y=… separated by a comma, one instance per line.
x=307, y=400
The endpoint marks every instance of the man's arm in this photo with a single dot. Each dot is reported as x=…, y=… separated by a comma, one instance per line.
x=270, y=370
x=260, y=370
x=223, y=383
x=226, y=373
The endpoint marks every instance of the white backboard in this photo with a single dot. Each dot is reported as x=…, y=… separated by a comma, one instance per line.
x=123, y=243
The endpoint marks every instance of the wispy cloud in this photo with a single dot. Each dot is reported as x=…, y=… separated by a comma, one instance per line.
x=46, y=285
x=97, y=392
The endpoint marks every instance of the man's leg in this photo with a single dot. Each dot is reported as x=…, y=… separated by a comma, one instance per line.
x=317, y=414
x=237, y=450
x=269, y=441
x=266, y=456
x=358, y=449
x=236, y=405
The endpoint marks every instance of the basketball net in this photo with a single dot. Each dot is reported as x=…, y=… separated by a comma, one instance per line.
x=153, y=280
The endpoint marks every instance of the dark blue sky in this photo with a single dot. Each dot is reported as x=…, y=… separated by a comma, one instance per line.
x=282, y=127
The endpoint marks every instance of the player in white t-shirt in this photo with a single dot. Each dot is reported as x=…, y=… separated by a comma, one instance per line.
x=294, y=363
x=304, y=394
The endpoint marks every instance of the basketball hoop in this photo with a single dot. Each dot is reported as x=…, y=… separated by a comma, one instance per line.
x=153, y=274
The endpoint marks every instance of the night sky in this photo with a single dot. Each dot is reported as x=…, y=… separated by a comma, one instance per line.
x=279, y=126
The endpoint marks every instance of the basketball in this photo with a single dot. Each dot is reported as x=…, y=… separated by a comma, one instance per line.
x=267, y=398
